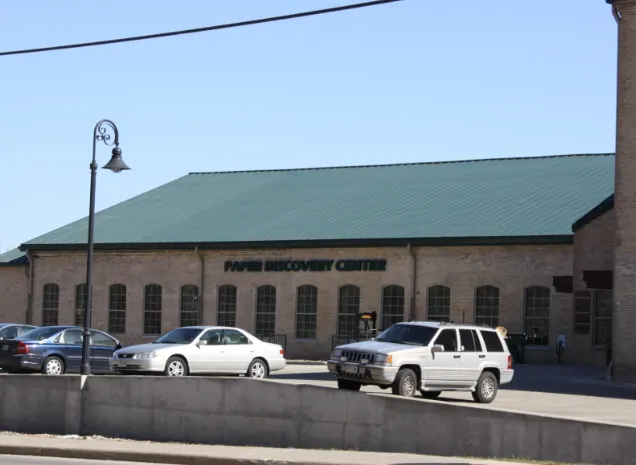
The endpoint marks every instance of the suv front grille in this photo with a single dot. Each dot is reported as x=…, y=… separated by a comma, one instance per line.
x=356, y=357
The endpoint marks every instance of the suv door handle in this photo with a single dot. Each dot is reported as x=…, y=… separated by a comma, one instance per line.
x=482, y=356
x=456, y=356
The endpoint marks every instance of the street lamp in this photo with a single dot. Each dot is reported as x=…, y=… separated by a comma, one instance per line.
x=116, y=165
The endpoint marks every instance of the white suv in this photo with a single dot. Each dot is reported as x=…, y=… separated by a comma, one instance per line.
x=427, y=356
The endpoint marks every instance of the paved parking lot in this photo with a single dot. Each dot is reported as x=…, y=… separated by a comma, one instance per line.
x=577, y=392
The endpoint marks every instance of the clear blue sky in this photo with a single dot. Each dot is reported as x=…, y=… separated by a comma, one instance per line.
x=418, y=80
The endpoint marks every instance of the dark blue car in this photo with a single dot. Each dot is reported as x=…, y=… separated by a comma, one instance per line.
x=55, y=350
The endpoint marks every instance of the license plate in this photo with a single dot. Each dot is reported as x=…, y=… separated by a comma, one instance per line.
x=350, y=369
x=121, y=364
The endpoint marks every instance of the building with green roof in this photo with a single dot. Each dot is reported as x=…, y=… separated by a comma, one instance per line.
x=295, y=254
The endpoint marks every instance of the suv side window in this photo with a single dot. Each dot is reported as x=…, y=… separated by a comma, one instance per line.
x=470, y=340
x=448, y=338
x=492, y=341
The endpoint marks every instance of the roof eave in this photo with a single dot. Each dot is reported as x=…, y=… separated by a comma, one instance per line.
x=596, y=212
x=316, y=243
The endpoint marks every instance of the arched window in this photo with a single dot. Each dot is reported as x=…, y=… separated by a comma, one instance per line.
x=392, y=305
x=487, y=306
x=50, y=304
x=537, y=315
x=439, y=303
x=348, y=306
x=265, y=311
x=226, y=310
x=80, y=304
x=117, y=309
x=306, y=312
x=152, y=309
x=189, y=306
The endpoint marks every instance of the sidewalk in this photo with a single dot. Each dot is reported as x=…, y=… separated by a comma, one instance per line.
x=185, y=454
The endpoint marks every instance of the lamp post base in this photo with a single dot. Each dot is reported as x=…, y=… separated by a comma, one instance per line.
x=85, y=369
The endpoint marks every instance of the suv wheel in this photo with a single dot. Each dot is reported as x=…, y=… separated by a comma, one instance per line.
x=405, y=383
x=486, y=389
x=430, y=394
x=349, y=385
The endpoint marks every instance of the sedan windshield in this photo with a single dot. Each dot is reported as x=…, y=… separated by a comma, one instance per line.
x=416, y=335
x=179, y=336
x=38, y=334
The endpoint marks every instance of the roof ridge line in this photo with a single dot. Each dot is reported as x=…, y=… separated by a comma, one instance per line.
x=386, y=165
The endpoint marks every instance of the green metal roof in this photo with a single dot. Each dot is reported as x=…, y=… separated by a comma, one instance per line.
x=12, y=257
x=514, y=197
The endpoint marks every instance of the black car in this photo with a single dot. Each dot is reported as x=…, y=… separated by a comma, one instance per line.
x=55, y=350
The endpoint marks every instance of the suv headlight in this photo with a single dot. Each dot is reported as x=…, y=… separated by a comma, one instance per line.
x=145, y=355
x=383, y=359
x=336, y=353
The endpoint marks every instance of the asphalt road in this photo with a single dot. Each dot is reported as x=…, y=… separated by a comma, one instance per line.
x=23, y=460
x=561, y=390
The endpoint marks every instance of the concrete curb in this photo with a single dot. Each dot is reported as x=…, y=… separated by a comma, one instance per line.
x=134, y=456
x=306, y=362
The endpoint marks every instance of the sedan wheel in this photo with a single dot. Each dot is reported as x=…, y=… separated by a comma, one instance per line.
x=53, y=367
x=176, y=366
x=257, y=369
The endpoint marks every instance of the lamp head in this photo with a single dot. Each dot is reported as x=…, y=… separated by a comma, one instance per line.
x=116, y=163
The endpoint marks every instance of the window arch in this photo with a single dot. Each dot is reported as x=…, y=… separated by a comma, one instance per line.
x=80, y=304
x=189, y=305
x=226, y=309
x=348, y=307
x=265, y=311
x=117, y=300
x=487, y=306
x=153, y=300
x=306, y=312
x=537, y=315
x=50, y=304
x=392, y=305
x=439, y=303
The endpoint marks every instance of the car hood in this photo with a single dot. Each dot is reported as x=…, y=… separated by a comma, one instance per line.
x=378, y=347
x=147, y=348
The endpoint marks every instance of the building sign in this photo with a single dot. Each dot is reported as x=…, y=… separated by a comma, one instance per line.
x=305, y=265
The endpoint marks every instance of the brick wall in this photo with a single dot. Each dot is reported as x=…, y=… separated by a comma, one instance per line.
x=593, y=250
x=461, y=268
x=13, y=294
x=624, y=323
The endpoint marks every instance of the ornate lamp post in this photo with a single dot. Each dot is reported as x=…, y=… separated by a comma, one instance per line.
x=101, y=133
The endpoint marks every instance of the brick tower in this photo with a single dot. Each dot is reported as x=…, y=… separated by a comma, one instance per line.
x=624, y=310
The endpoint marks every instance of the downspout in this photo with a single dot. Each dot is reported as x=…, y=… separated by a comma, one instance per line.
x=414, y=283
x=201, y=284
x=30, y=273
x=616, y=14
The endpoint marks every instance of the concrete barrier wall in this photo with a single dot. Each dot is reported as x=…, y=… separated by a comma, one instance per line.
x=268, y=413
x=38, y=404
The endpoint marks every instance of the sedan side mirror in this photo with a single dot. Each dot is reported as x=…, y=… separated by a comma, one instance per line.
x=202, y=342
x=119, y=346
x=437, y=348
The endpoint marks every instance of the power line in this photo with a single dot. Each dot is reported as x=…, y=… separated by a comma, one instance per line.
x=202, y=29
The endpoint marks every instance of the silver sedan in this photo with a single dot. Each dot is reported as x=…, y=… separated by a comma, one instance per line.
x=202, y=350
